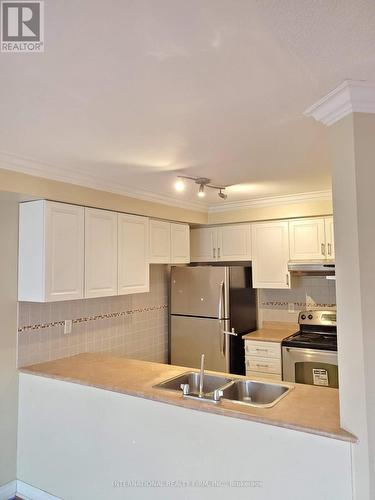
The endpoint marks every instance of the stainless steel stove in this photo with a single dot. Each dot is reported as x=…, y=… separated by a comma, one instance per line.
x=310, y=355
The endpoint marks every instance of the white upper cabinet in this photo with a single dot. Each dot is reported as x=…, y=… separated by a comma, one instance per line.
x=234, y=242
x=169, y=243
x=330, y=240
x=100, y=253
x=311, y=239
x=221, y=243
x=180, y=243
x=133, y=254
x=307, y=239
x=160, y=245
x=203, y=244
x=270, y=248
x=51, y=251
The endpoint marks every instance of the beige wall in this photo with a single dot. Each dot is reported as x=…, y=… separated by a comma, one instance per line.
x=8, y=340
x=29, y=185
x=353, y=149
x=288, y=211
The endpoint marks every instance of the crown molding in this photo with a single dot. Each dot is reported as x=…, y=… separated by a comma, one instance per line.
x=350, y=97
x=70, y=176
x=272, y=201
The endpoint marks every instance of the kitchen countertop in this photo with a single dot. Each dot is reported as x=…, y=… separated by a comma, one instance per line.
x=272, y=331
x=306, y=408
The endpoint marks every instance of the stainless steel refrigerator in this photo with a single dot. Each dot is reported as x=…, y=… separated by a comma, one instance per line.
x=212, y=306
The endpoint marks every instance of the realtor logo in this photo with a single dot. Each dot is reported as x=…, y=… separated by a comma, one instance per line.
x=22, y=26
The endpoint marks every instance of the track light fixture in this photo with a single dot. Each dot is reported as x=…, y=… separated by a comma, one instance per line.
x=203, y=183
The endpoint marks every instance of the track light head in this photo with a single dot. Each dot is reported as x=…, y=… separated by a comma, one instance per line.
x=201, y=192
x=222, y=195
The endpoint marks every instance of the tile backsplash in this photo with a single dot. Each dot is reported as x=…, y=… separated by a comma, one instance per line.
x=306, y=293
x=135, y=326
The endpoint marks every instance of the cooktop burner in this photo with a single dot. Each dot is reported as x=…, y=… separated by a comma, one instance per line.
x=312, y=341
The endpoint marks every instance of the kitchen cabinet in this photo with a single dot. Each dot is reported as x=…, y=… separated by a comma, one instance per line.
x=330, y=240
x=263, y=359
x=311, y=239
x=222, y=243
x=133, y=254
x=51, y=251
x=169, y=243
x=160, y=242
x=234, y=242
x=203, y=243
x=270, y=249
x=180, y=243
x=100, y=253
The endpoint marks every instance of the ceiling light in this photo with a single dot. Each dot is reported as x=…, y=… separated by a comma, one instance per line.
x=179, y=185
x=202, y=182
x=201, y=192
x=222, y=195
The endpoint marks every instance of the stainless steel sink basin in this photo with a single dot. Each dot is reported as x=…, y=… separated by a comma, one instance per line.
x=253, y=393
x=211, y=382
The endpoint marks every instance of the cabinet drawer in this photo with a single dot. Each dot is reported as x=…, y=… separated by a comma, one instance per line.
x=263, y=349
x=266, y=365
x=260, y=375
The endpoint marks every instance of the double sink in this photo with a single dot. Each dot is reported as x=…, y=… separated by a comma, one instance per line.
x=216, y=388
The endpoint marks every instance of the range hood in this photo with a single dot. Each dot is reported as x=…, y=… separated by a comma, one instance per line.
x=312, y=268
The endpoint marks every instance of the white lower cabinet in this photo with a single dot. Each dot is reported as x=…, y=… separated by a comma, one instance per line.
x=133, y=254
x=270, y=248
x=51, y=251
x=263, y=359
x=100, y=253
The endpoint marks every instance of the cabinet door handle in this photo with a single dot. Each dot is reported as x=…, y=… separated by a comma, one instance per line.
x=287, y=279
x=323, y=248
x=218, y=253
x=329, y=247
x=214, y=252
x=259, y=365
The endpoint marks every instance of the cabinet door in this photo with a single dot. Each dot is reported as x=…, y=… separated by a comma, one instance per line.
x=270, y=248
x=100, y=253
x=330, y=240
x=180, y=243
x=64, y=251
x=133, y=249
x=160, y=247
x=234, y=242
x=203, y=244
x=307, y=239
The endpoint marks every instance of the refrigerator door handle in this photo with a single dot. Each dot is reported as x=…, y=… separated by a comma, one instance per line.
x=221, y=302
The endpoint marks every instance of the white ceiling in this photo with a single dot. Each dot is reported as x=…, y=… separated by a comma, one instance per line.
x=132, y=93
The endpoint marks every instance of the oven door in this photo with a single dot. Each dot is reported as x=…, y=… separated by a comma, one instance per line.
x=310, y=366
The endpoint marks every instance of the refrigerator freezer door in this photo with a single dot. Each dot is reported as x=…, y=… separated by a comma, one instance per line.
x=191, y=337
x=197, y=291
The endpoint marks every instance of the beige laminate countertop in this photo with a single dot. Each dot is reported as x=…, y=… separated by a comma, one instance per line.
x=306, y=408
x=272, y=331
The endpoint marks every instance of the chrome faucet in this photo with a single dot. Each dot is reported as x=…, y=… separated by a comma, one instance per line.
x=201, y=378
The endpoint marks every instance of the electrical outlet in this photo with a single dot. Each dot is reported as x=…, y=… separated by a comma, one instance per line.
x=68, y=323
x=291, y=307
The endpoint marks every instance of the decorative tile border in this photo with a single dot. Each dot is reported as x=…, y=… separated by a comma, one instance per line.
x=298, y=304
x=97, y=317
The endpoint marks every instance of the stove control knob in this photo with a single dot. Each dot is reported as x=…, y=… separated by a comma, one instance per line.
x=310, y=316
x=303, y=316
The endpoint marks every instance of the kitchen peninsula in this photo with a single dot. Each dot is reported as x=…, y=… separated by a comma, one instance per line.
x=138, y=436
